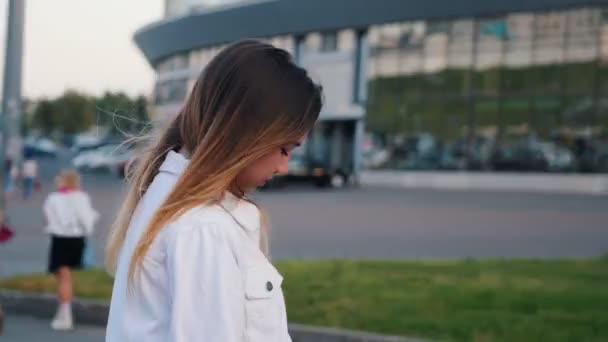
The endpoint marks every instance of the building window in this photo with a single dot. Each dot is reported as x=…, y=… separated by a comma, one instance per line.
x=175, y=63
x=347, y=40
x=329, y=41
x=180, y=62
x=170, y=91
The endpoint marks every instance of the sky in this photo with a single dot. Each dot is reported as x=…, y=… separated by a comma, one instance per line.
x=85, y=45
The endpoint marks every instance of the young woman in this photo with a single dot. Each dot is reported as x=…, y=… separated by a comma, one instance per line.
x=186, y=245
x=70, y=219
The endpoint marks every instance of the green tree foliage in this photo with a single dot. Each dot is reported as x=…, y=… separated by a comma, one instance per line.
x=75, y=112
x=121, y=113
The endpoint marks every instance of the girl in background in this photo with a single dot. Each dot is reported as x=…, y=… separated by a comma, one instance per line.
x=70, y=219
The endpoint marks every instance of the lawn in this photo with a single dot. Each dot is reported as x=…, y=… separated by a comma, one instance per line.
x=467, y=300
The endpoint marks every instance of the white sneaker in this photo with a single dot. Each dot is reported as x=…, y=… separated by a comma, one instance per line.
x=62, y=323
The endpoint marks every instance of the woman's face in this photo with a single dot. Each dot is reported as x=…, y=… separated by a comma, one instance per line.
x=263, y=169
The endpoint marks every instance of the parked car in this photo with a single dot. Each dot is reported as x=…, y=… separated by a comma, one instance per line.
x=307, y=168
x=460, y=156
x=531, y=154
x=592, y=155
x=123, y=166
x=304, y=169
x=418, y=152
x=40, y=147
x=83, y=143
x=453, y=157
x=105, y=158
x=375, y=158
x=558, y=158
x=374, y=153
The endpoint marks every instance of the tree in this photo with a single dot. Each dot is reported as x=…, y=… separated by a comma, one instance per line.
x=76, y=112
x=141, y=113
x=121, y=113
x=70, y=113
x=45, y=117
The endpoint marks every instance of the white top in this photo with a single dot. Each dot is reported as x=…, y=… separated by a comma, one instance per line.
x=204, y=277
x=69, y=214
x=30, y=168
x=14, y=172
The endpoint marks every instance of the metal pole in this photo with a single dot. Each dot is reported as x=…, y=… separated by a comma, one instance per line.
x=472, y=94
x=597, y=103
x=360, y=97
x=11, y=94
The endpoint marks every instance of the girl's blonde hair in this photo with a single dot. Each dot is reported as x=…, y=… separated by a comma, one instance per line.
x=69, y=178
x=248, y=101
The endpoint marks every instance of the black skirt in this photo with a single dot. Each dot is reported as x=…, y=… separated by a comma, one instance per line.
x=65, y=251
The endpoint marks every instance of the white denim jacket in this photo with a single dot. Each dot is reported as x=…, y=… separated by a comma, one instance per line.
x=203, y=279
x=69, y=214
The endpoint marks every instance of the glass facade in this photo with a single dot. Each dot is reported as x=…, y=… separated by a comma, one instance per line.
x=175, y=8
x=520, y=92
x=328, y=57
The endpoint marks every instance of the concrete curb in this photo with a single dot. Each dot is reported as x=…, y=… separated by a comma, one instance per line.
x=42, y=305
x=94, y=312
x=596, y=184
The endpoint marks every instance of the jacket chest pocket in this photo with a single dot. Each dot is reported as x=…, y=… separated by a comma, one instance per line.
x=263, y=300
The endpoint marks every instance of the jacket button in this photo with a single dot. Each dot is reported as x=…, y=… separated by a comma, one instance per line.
x=269, y=286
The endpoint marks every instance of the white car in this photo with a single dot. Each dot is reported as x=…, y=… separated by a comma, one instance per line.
x=558, y=158
x=375, y=158
x=106, y=157
x=81, y=161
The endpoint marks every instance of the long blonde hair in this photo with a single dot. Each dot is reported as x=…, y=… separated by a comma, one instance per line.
x=248, y=101
x=69, y=178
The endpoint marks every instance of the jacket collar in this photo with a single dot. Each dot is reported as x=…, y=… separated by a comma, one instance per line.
x=175, y=164
x=244, y=212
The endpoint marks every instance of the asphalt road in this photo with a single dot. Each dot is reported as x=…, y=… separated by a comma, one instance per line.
x=353, y=223
x=367, y=223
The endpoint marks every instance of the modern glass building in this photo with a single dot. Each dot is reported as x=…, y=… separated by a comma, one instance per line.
x=486, y=84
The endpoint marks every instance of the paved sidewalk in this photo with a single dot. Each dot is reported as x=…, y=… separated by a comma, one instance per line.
x=28, y=329
x=582, y=184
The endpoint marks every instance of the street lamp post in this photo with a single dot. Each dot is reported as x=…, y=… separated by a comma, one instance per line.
x=10, y=113
x=11, y=101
